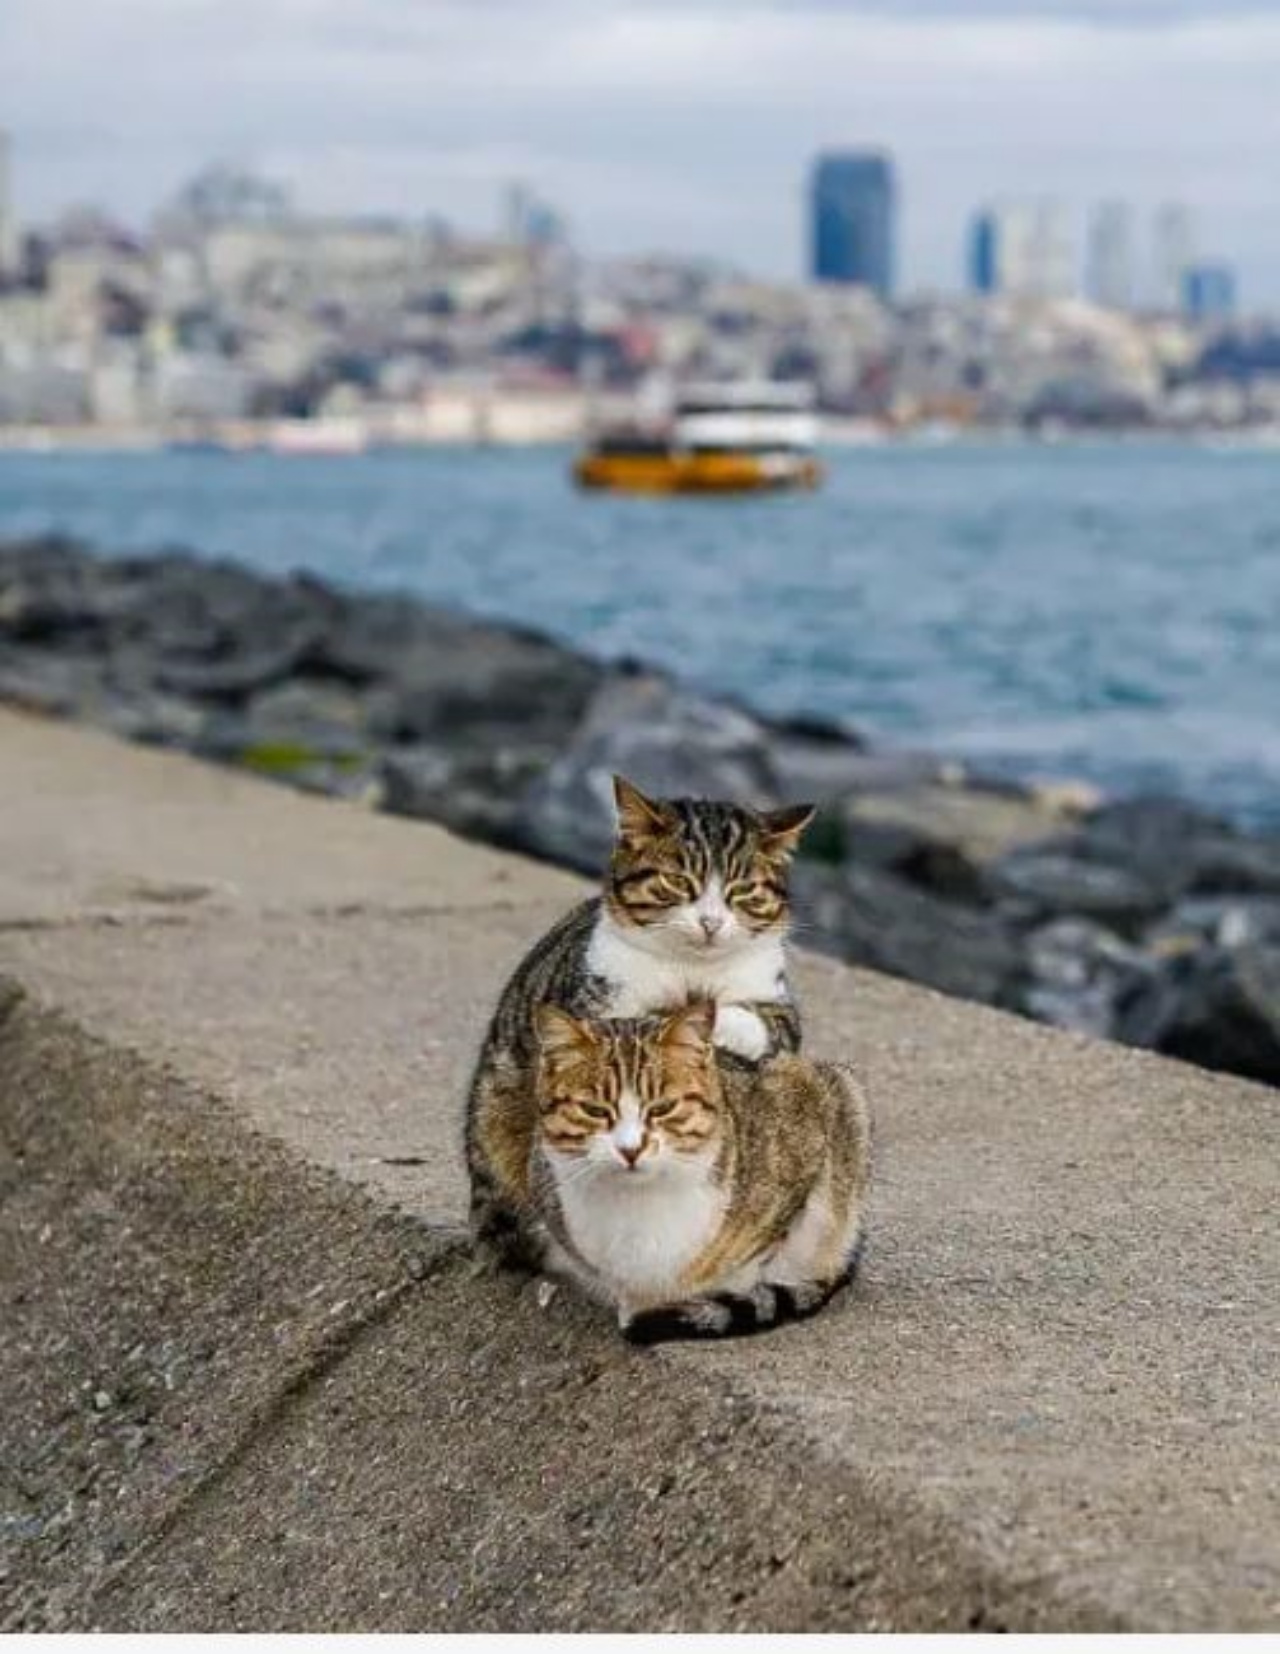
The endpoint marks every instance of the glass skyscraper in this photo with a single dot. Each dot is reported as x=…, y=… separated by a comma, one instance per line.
x=853, y=215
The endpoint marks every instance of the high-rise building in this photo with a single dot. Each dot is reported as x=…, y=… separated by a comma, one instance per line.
x=853, y=219
x=1174, y=246
x=1023, y=249
x=1209, y=292
x=984, y=253
x=1111, y=271
x=10, y=249
x=529, y=221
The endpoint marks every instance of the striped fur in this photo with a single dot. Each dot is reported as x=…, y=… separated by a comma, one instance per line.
x=700, y=1201
x=737, y=1315
x=638, y=949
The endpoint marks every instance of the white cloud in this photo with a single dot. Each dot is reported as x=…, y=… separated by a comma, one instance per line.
x=684, y=123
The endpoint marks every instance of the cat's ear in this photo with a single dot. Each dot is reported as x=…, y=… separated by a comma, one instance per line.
x=781, y=829
x=560, y=1036
x=638, y=816
x=689, y=1029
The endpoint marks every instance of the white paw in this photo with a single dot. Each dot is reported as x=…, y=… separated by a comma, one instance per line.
x=741, y=1031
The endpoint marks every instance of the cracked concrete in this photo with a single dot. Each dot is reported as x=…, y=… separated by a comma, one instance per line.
x=1051, y=1403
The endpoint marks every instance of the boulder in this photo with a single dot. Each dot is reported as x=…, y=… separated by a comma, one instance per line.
x=667, y=740
x=477, y=793
x=1228, y=1012
x=875, y=918
x=1231, y=862
x=942, y=837
x=485, y=684
x=325, y=718
x=1082, y=976
x=1043, y=883
x=1182, y=848
x=59, y=685
x=1219, y=921
x=809, y=769
x=252, y=664
x=53, y=593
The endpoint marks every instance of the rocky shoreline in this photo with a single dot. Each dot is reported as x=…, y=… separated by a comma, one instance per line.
x=1145, y=920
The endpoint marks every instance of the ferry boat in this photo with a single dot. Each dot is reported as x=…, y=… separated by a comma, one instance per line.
x=718, y=439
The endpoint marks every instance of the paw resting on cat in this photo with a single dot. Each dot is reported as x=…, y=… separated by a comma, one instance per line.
x=740, y=1031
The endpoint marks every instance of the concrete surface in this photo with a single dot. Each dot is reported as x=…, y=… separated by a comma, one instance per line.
x=1051, y=1403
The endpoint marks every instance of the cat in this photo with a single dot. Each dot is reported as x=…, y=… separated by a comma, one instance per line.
x=699, y=1199
x=695, y=903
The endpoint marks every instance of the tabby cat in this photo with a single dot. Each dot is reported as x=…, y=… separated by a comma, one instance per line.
x=698, y=1199
x=695, y=903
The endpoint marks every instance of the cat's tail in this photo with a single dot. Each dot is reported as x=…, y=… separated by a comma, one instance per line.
x=737, y=1314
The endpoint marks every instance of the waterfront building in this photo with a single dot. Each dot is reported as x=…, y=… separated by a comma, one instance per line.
x=853, y=220
x=1022, y=249
x=530, y=221
x=1174, y=248
x=984, y=253
x=1209, y=292
x=10, y=241
x=1111, y=271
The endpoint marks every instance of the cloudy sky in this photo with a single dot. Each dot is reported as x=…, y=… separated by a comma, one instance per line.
x=661, y=124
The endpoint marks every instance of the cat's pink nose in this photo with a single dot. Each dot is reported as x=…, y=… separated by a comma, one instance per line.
x=712, y=924
x=631, y=1154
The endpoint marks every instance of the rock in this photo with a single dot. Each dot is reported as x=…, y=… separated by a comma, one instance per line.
x=154, y=717
x=478, y=793
x=53, y=593
x=876, y=918
x=1082, y=976
x=327, y=719
x=812, y=770
x=237, y=674
x=943, y=838
x=1065, y=797
x=1228, y=1014
x=1230, y=862
x=1220, y=921
x=368, y=635
x=1042, y=883
x=59, y=685
x=667, y=740
x=1158, y=838
x=486, y=685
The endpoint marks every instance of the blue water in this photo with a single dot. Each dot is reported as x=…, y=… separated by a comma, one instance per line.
x=1108, y=611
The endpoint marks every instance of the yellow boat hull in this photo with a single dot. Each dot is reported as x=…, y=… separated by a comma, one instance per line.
x=676, y=473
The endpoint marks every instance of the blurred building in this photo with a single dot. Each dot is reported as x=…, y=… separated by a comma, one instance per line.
x=1209, y=292
x=222, y=194
x=1111, y=277
x=1174, y=249
x=1022, y=249
x=853, y=220
x=10, y=242
x=529, y=221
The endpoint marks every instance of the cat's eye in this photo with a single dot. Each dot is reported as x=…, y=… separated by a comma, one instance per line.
x=660, y=1110
x=596, y=1111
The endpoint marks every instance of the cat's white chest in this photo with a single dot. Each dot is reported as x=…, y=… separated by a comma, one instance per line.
x=641, y=982
x=638, y=1237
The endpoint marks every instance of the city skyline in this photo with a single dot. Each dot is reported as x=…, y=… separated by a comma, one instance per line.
x=651, y=126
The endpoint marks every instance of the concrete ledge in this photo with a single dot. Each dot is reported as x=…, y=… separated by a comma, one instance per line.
x=248, y=1392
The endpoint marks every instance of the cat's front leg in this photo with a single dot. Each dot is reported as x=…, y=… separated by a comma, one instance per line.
x=742, y=1031
x=758, y=1030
